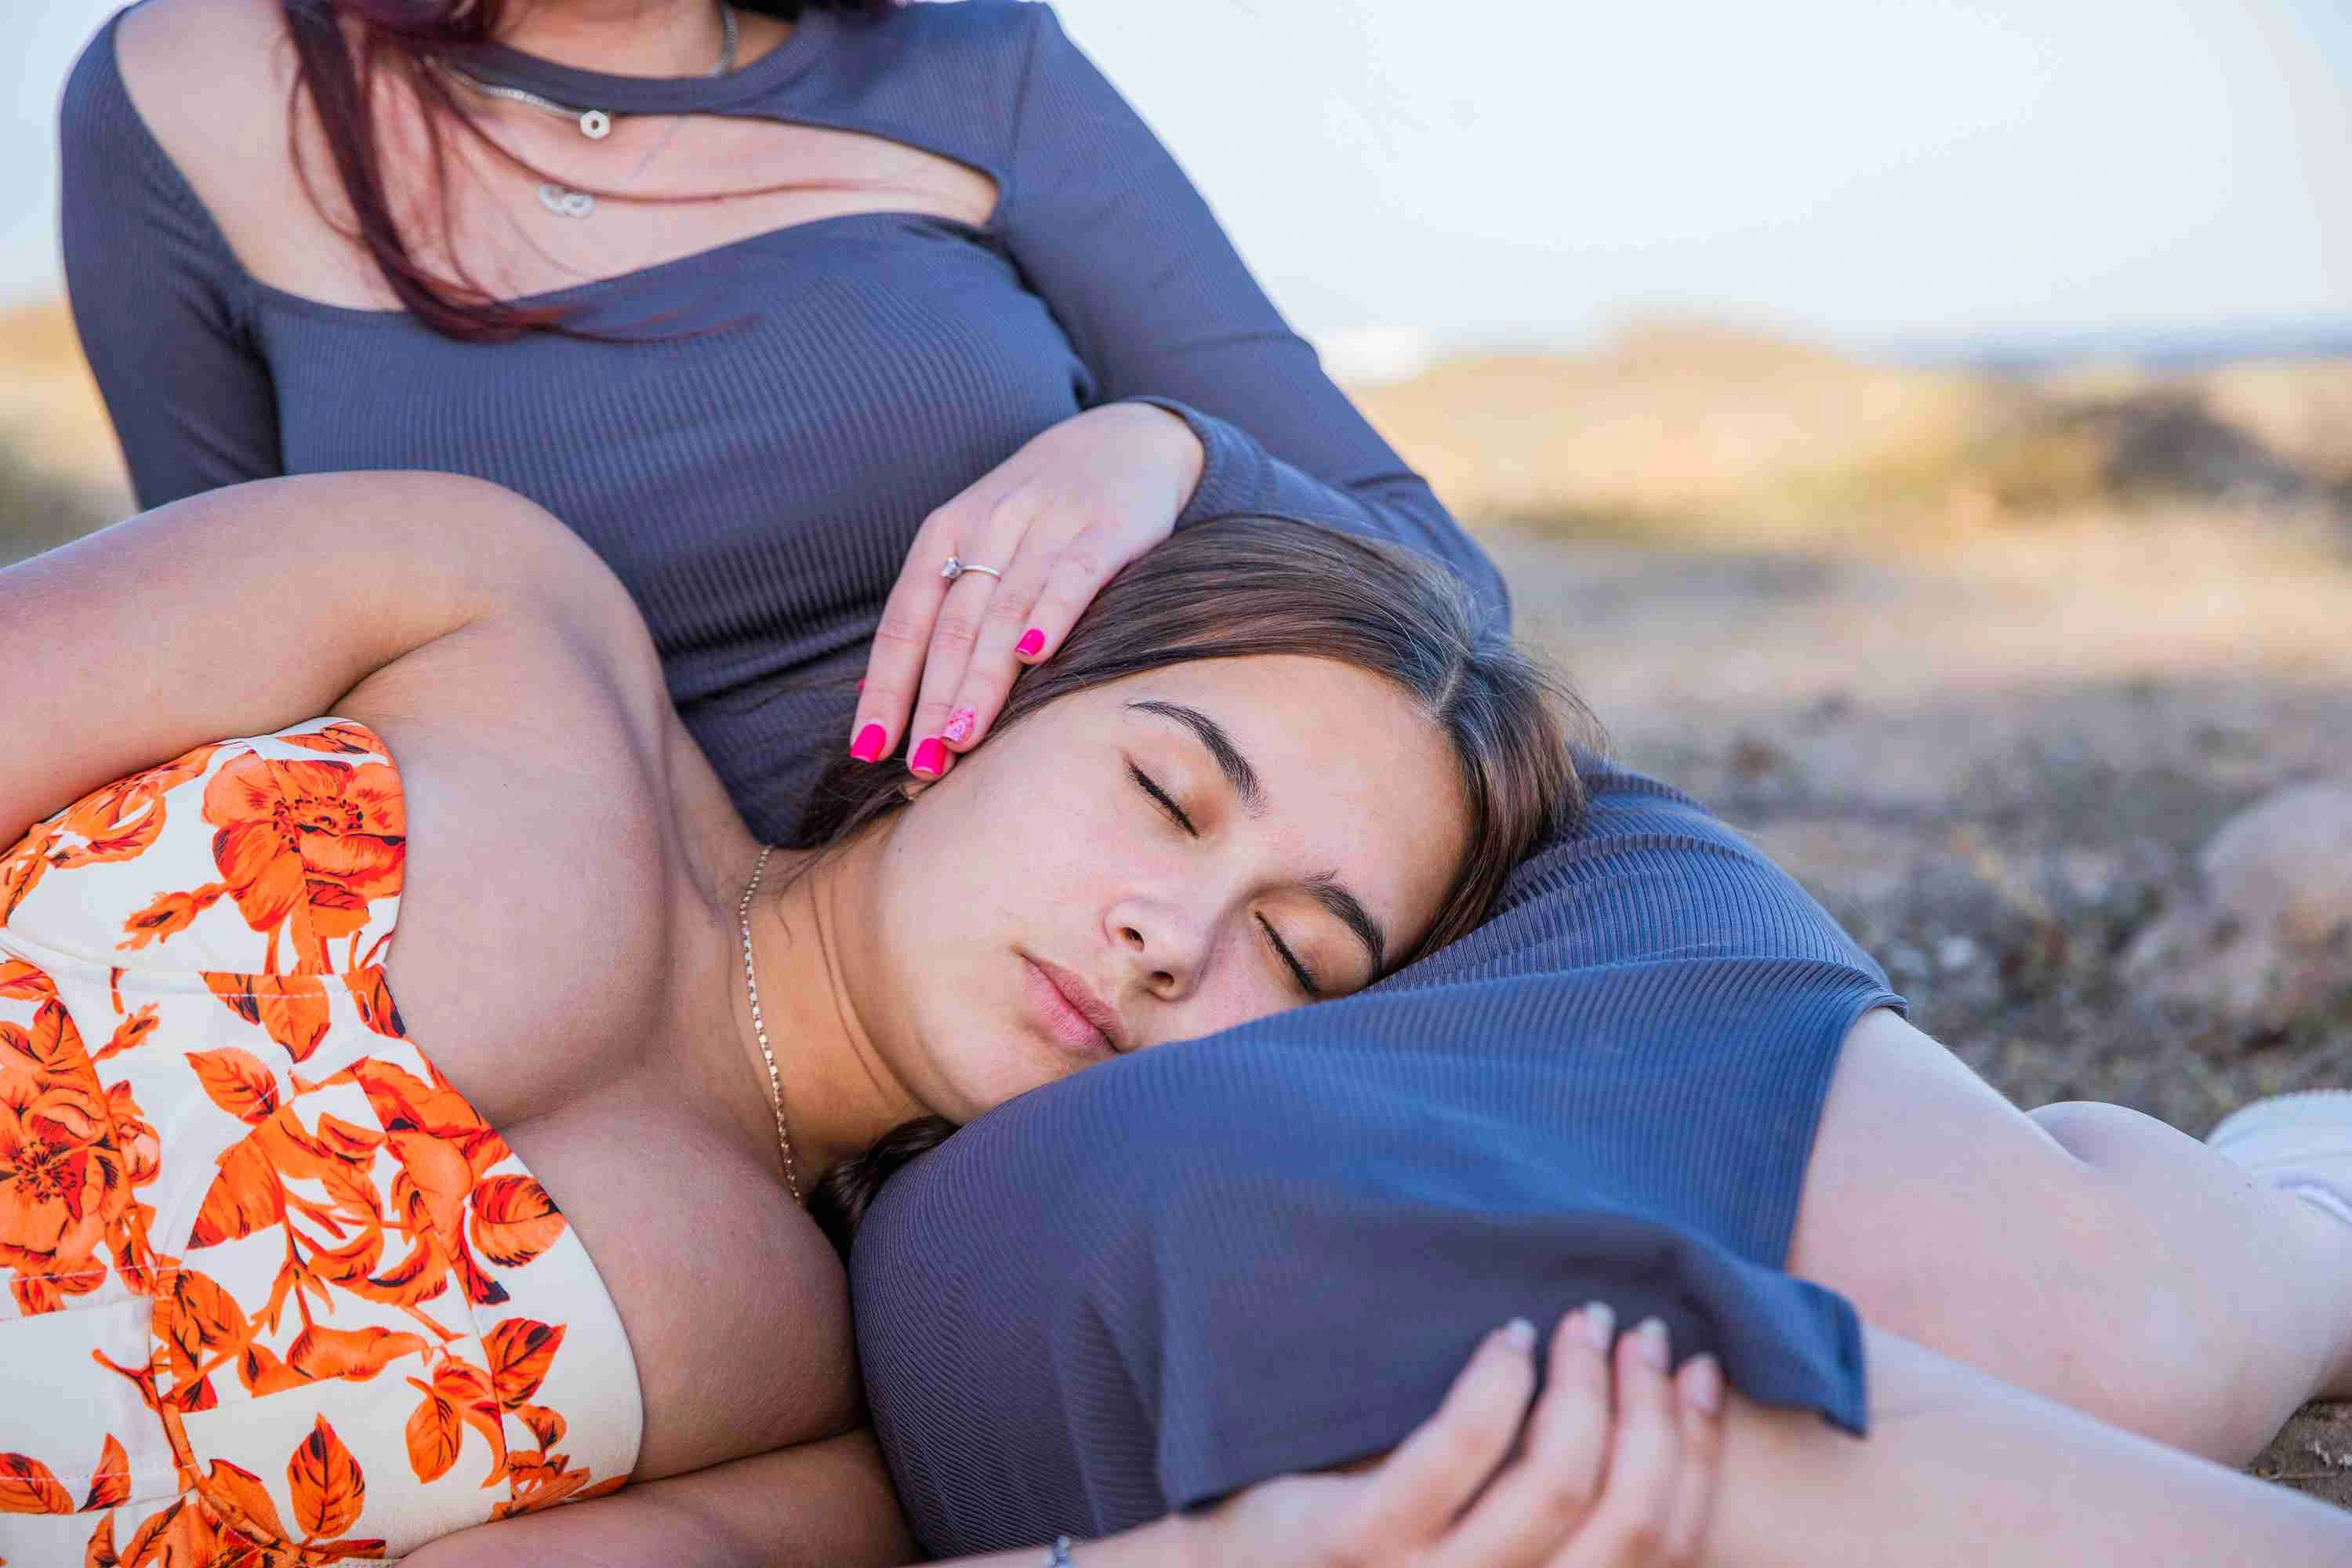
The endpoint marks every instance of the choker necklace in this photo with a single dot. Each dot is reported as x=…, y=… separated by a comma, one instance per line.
x=595, y=124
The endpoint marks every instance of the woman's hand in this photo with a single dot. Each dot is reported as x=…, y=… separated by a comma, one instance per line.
x=1572, y=1485
x=1058, y=519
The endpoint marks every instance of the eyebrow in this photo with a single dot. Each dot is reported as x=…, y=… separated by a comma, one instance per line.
x=1227, y=756
x=1325, y=890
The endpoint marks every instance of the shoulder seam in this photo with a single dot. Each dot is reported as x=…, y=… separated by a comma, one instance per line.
x=1040, y=17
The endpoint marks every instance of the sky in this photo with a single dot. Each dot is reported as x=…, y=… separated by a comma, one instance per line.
x=1929, y=175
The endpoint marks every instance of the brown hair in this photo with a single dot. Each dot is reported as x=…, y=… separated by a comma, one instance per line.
x=1246, y=587
x=408, y=38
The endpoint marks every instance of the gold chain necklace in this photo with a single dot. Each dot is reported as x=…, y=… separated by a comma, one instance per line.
x=758, y=1027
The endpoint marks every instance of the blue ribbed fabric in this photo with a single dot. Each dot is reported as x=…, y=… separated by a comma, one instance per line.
x=757, y=483
x=1203, y=1265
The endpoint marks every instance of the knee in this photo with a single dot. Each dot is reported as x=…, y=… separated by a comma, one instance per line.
x=2077, y=1291
x=2133, y=1325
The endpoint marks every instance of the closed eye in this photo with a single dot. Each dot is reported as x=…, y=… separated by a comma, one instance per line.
x=1161, y=797
x=1304, y=975
x=1175, y=814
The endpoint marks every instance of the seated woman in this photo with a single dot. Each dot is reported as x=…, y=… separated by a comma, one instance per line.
x=292, y=1267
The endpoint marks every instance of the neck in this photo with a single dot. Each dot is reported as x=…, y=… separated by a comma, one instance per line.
x=620, y=37
x=808, y=941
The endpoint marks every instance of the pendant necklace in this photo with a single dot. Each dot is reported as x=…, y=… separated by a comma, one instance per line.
x=595, y=124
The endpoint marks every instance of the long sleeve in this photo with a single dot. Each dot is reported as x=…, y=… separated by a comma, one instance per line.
x=1161, y=309
x=158, y=300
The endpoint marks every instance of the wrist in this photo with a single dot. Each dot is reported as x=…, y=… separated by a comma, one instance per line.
x=1186, y=451
x=1172, y=1541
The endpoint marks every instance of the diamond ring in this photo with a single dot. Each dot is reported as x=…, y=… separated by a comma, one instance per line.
x=955, y=569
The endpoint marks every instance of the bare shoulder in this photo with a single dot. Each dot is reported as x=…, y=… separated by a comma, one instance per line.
x=213, y=81
x=209, y=77
x=535, y=744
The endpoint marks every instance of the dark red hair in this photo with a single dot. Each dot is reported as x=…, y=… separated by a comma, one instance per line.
x=406, y=37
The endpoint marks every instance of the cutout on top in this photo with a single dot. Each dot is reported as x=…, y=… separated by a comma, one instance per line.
x=210, y=81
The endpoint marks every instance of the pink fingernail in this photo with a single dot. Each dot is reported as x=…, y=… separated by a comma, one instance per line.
x=959, y=728
x=931, y=758
x=1032, y=642
x=871, y=742
x=861, y=686
x=1703, y=1383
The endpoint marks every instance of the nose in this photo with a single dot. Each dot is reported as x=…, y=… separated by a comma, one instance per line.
x=1163, y=947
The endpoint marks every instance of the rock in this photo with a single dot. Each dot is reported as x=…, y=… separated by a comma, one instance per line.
x=2267, y=936
x=1902, y=959
x=2313, y=1454
x=1753, y=756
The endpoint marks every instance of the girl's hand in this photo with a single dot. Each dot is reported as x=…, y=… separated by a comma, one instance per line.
x=1058, y=519
x=1571, y=1486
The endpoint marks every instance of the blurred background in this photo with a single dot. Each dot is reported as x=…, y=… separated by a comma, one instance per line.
x=1923, y=432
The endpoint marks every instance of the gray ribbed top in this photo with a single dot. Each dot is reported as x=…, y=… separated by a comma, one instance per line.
x=757, y=483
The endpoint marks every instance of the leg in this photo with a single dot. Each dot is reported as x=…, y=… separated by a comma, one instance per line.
x=2092, y=1255
x=1960, y=1470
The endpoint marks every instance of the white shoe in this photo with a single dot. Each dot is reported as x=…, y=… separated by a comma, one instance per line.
x=2299, y=1143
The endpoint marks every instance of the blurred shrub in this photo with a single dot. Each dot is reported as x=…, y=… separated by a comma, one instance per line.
x=40, y=509
x=1712, y=436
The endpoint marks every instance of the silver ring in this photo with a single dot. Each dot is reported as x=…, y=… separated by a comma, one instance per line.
x=955, y=569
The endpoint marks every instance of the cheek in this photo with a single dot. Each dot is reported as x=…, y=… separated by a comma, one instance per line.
x=1240, y=987
x=1047, y=843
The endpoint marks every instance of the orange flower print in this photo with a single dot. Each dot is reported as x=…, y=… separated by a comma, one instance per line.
x=329, y=1489
x=303, y=845
x=115, y=822
x=62, y=1181
x=22, y=982
x=373, y=997
x=341, y=737
x=460, y=1396
x=383, y=1232
x=169, y=914
x=110, y=1484
x=291, y=1007
x=28, y=1486
x=230, y=1521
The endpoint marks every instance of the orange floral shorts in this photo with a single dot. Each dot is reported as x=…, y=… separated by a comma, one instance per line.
x=271, y=1292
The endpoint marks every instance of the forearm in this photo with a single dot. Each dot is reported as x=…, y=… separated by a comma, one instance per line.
x=242, y=610
x=827, y=1503
x=1375, y=500
x=1161, y=308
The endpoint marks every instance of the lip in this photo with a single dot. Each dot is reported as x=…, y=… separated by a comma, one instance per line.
x=1071, y=1011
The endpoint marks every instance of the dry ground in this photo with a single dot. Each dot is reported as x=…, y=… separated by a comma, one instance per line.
x=1982, y=661
x=1994, y=762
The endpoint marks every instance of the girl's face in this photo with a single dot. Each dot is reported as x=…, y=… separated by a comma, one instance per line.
x=1157, y=860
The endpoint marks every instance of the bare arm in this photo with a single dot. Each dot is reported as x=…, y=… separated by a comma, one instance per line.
x=826, y=1502
x=245, y=609
x=821, y=1502
x=1613, y=1467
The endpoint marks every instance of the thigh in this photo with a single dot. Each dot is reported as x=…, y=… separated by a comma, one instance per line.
x=1961, y=1469
x=1948, y=1215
